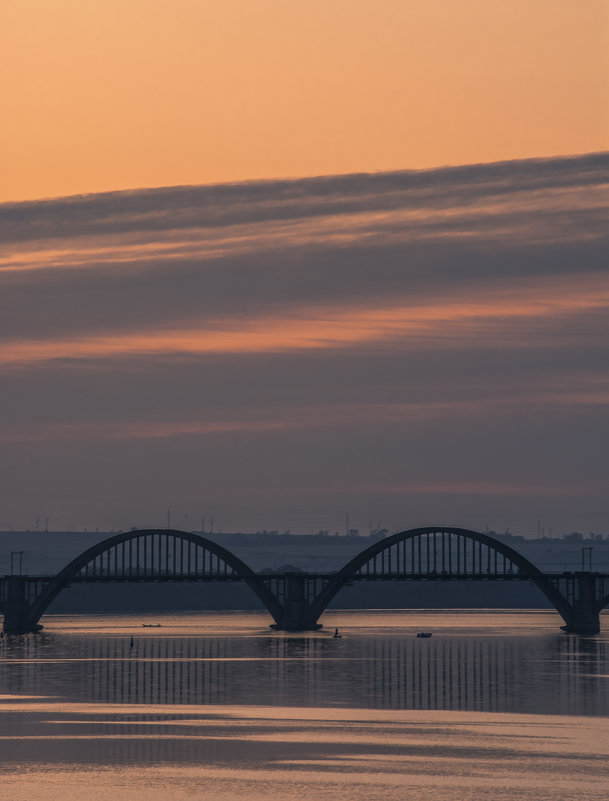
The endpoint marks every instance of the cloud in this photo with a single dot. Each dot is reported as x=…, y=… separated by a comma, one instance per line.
x=151, y=211
x=195, y=256
x=500, y=319
x=431, y=329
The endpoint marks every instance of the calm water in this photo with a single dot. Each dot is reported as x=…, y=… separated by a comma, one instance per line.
x=215, y=706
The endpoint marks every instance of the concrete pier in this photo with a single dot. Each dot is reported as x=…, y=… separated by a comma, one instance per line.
x=16, y=607
x=584, y=618
x=297, y=613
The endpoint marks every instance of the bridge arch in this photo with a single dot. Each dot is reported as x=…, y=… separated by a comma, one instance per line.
x=440, y=552
x=146, y=554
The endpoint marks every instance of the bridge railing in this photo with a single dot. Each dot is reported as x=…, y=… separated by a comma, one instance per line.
x=432, y=553
x=154, y=555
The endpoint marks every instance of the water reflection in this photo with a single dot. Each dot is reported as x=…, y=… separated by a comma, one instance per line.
x=539, y=674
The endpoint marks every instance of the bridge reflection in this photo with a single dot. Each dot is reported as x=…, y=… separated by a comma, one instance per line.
x=445, y=672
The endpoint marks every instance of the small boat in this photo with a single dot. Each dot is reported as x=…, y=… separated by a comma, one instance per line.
x=424, y=634
x=151, y=625
x=336, y=635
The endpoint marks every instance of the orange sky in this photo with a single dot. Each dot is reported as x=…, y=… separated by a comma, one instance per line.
x=128, y=93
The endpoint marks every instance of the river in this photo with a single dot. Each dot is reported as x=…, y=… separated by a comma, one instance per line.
x=494, y=704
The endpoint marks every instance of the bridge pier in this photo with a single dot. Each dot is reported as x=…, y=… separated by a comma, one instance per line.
x=584, y=617
x=296, y=614
x=16, y=608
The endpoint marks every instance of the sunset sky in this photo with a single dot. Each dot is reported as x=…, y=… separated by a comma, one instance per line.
x=272, y=262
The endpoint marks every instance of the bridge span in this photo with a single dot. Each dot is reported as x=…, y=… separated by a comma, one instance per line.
x=296, y=600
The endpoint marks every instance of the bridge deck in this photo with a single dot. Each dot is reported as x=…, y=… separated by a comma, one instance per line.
x=326, y=576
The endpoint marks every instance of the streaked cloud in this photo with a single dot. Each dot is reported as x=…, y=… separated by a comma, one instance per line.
x=275, y=419
x=181, y=208
x=283, y=317
x=503, y=320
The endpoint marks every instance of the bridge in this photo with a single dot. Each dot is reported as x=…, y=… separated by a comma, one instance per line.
x=296, y=600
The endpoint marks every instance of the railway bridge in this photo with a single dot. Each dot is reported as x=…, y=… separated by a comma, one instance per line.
x=296, y=600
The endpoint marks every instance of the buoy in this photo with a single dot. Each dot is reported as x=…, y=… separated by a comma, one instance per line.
x=132, y=643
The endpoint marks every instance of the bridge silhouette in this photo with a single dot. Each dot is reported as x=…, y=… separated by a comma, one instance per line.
x=296, y=600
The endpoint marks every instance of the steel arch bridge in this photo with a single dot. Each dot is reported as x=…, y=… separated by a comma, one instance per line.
x=296, y=600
